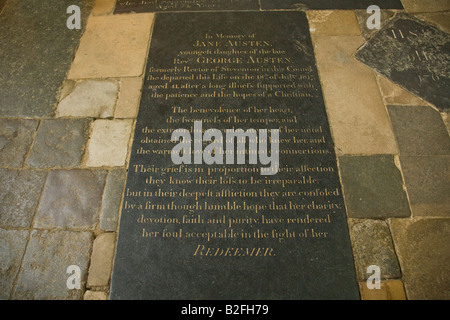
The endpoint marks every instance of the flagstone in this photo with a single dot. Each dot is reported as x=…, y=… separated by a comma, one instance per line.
x=43, y=275
x=16, y=137
x=357, y=115
x=90, y=98
x=71, y=199
x=113, y=46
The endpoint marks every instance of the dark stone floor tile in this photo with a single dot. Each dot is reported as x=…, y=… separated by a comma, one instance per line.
x=373, y=187
x=16, y=136
x=372, y=245
x=427, y=180
x=19, y=195
x=36, y=50
x=59, y=143
x=423, y=249
x=71, y=199
x=12, y=248
x=419, y=130
x=44, y=270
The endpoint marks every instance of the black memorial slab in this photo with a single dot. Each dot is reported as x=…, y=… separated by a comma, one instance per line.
x=414, y=55
x=329, y=4
x=226, y=231
x=123, y=6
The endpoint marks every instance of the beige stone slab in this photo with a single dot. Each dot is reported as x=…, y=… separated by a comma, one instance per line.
x=357, y=115
x=89, y=98
x=333, y=22
x=112, y=47
x=412, y=6
x=95, y=295
x=129, y=96
x=103, y=7
x=423, y=249
x=389, y=290
x=108, y=144
x=101, y=260
x=393, y=94
x=440, y=20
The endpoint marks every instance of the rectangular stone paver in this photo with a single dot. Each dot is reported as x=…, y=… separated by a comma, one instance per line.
x=59, y=143
x=16, y=137
x=423, y=250
x=419, y=130
x=372, y=245
x=90, y=98
x=19, y=195
x=12, y=248
x=112, y=197
x=357, y=115
x=113, y=46
x=427, y=180
x=108, y=145
x=71, y=199
x=373, y=187
x=128, y=101
x=44, y=270
x=101, y=260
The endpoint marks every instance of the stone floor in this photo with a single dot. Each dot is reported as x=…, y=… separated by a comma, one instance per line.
x=68, y=104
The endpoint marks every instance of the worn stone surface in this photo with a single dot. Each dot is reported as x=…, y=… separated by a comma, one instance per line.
x=12, y=248
x=36, y=54
x=113, y=46
x=414, y=55
x=419, y=131
x=337, y=22
x=372, y=245
x=128, y=102
x=427, y=180
x=389, y=290
x=440, y=20
x=103, y=7
x=90, y=98
x=357, y=115
x=108, y=144
x=71, y=199
x=59, y=143
x=95, y=295
x=362, y=16
x=414, y=6
x=423, y=250
x=373, y=187
x=16, y=136
x=393, y=94
x=101, y=260
x=19, y=194
x=112, y=198
x=49, y=253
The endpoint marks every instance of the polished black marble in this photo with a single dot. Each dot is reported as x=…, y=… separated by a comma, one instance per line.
x=123, y=6
x=225, y=231
x=414, y=55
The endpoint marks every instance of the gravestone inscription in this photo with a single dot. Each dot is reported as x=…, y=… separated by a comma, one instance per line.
x=414, y=55
x=123, y=6
x=233, y=231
